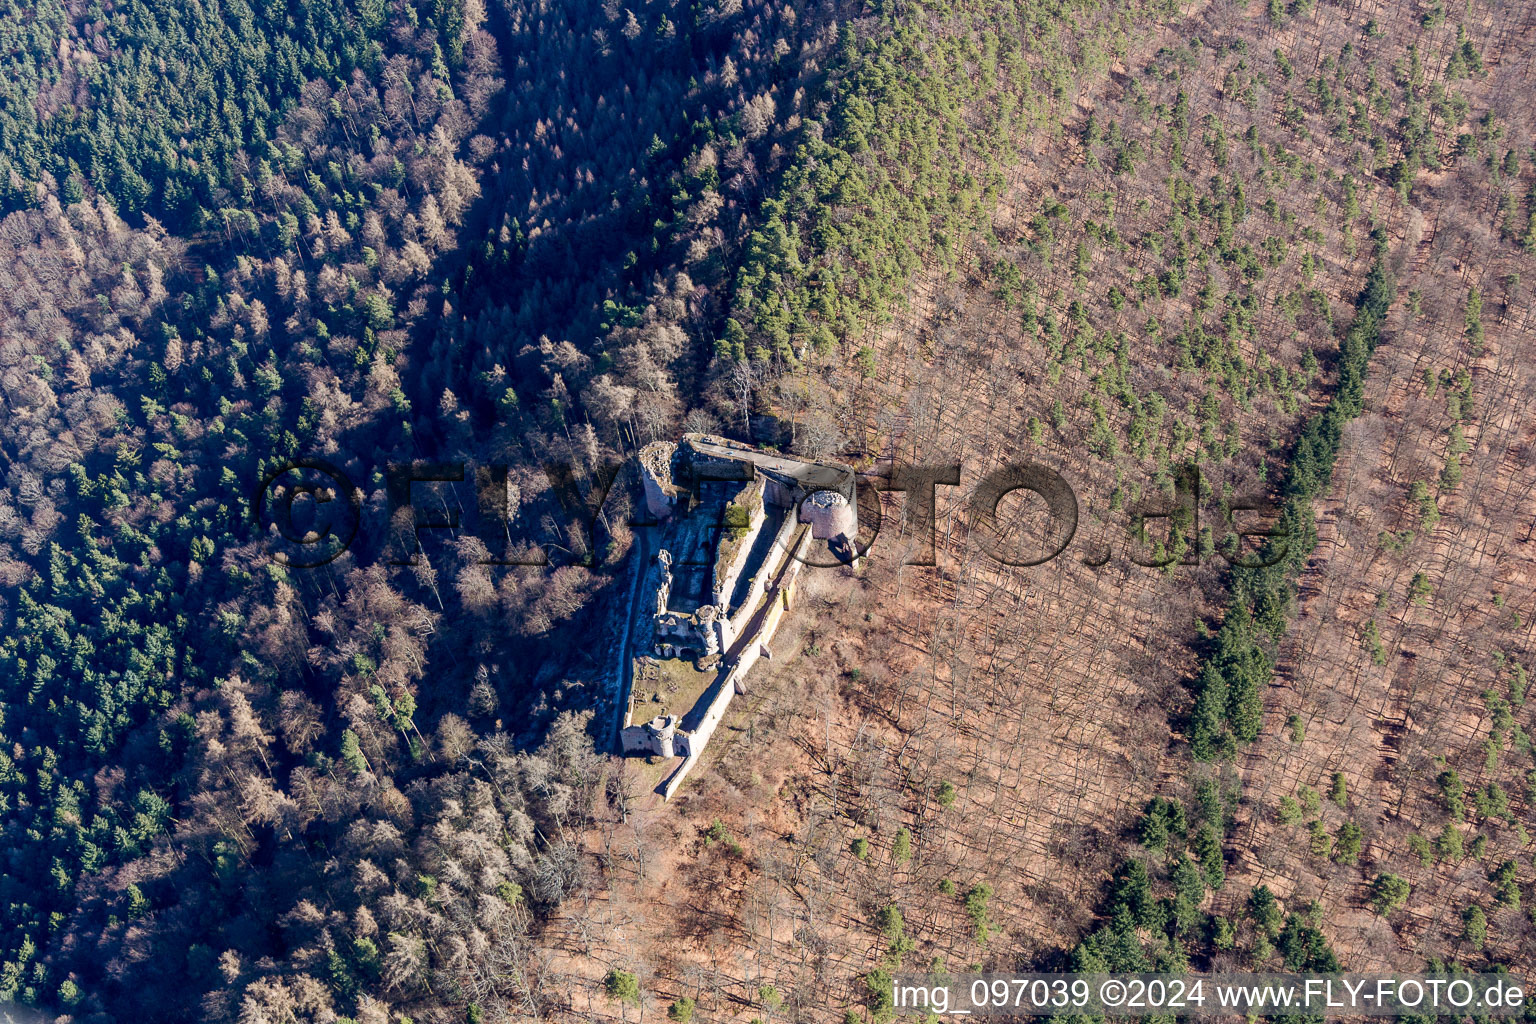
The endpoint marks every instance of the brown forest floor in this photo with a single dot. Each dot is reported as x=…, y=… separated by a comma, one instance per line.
x=1045, y=695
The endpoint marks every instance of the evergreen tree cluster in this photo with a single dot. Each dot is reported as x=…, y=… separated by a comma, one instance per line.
x=906, y=160
x=1229, y=688
x=160, y=105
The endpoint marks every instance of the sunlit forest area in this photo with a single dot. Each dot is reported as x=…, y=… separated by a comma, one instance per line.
x=529, y=234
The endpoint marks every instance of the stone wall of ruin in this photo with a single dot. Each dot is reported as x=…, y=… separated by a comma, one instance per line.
x=726, y=582
x=699, y=737
x=656, y=478
x=771, y=564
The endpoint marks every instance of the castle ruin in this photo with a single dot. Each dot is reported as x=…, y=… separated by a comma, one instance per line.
x=734, y=525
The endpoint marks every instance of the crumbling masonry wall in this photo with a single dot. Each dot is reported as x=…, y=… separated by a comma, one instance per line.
x=780, y=598
x=682, y=482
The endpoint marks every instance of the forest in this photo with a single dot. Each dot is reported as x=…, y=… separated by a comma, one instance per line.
x=195, y=732
x=1129, y=236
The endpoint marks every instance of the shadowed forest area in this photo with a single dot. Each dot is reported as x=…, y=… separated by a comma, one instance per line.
x=1285, y=245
